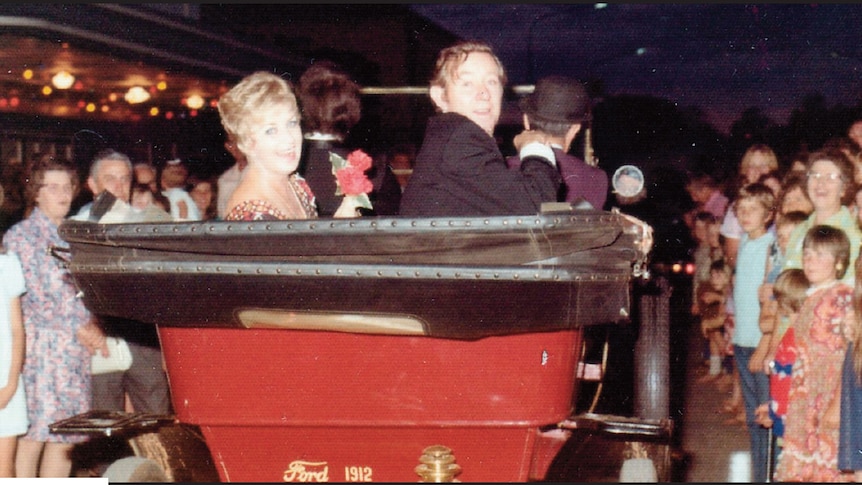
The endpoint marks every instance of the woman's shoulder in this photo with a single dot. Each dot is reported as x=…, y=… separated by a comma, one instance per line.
x=254, y=210
x=22, y=229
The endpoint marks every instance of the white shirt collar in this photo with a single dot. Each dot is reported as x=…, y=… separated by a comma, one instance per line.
x=316, y=135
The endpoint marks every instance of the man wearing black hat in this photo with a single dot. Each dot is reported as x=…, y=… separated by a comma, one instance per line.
x=558, y=107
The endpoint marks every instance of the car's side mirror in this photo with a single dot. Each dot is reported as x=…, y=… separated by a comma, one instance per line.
x=628, y=181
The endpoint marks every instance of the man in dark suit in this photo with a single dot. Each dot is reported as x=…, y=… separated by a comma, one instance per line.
x=460, y=170
x=558, y=107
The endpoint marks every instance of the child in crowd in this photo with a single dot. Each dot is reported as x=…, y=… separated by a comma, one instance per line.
x=850, y=439
x=789, y=290
x=774, y=265
x=712, y=300
x=148, y=205
x=705, y=231
x=810, y=448
x=144, y=197
x=13, y=405
x=729, y=379
x=769, y=314
x=754, y=207
x=706, y=235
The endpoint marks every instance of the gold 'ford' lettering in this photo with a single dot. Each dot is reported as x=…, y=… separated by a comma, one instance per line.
x=307, y=471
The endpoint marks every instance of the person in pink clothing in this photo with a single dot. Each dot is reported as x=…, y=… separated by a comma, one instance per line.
x=707, y=195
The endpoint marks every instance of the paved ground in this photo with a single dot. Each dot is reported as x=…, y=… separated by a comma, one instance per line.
x=705, y=447
x=715, y=450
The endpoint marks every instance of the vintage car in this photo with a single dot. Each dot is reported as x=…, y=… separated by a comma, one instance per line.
x=370, y=349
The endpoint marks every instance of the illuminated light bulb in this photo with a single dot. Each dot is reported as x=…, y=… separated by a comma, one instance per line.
x=14, y=101
x=195, y=101
x=193, y=113
x=46, y=90
x=161, y=86
x=105, y=108
x=154, y=111
x=169, y=115
x=112, y=97
x=91, y=107
x=63, y=80
x=81, y=104
x=4, y=102
x=27, y=74
x=136, y=95
x=78, y=85
x=213, y=103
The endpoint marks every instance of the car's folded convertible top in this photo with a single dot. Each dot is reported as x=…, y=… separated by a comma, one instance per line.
x=460, y=277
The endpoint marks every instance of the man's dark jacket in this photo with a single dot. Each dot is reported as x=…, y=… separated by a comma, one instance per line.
x=460, y=171
x=579, y=179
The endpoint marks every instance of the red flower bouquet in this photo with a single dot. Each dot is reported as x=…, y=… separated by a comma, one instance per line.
x=350, y=177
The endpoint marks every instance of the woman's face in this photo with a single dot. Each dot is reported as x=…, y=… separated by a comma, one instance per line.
x=476, y=91
x=202, y=194
x=825, y=186
x=758, y=165
x=274, y=139
x=55, y=195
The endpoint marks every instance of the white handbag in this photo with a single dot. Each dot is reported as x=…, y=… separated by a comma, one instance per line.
x=119, y=358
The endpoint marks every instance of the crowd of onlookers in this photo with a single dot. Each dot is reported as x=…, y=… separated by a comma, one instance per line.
x=779, y=306
x=775, y=289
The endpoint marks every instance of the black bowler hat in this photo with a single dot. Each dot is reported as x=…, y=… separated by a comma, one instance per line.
x=558, y=99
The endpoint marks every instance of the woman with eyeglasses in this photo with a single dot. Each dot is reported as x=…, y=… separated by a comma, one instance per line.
x=57, y=361
x=830, y=186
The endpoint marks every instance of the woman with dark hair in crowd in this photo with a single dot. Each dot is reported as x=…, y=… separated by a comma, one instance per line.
x=59, y=330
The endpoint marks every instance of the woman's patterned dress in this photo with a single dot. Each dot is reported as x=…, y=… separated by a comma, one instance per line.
x=56, y=366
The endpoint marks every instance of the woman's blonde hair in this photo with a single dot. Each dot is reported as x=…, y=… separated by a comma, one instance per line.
x=238, y=107
x=765, y=150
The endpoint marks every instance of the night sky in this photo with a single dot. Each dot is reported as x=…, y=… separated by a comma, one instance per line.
x=720, y=58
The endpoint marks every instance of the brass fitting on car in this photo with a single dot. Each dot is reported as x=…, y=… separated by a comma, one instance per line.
x=438, y=465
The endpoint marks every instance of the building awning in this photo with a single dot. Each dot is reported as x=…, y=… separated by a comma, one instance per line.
x=107, y=51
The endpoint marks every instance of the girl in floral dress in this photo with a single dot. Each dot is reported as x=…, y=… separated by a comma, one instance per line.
x=57, y=363
x=810, y=448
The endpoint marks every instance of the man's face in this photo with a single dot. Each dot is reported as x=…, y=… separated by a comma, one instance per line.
x=476, y=91
x=115, y=176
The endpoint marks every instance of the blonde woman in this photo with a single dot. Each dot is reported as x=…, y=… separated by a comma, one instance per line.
x=261, y=114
